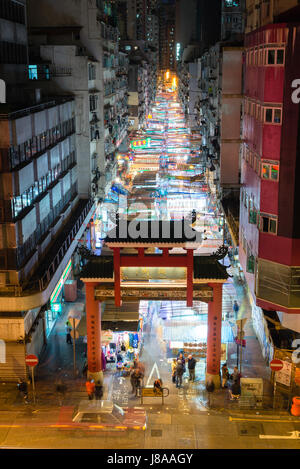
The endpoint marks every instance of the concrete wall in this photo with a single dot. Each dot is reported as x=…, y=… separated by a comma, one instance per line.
x=11, y=329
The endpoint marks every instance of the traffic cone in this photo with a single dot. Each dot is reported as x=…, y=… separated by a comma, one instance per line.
x=295, y=409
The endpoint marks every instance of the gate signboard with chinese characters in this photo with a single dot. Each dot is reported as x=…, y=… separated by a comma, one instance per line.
x=136, y=293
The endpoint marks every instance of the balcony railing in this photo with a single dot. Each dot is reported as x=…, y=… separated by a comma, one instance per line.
x=26, y=250
x=47, y=268
x=36, y=146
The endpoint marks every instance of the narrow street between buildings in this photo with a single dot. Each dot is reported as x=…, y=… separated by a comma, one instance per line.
x=167, y=182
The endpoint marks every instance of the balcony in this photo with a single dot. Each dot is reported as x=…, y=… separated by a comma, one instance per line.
x=61, y=245
x=14, y=157
x=24, y=252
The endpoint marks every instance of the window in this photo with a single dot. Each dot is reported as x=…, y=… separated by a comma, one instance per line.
x=273, y=115
x=274, y=172
x=269, y=114
x=280, y=57
x=93, y=102
x=274, y=57
x=270, y=171
x=277, y=116
x=92, y=72
x=271, y=57
x=266, y=171
x=32, y=72
x=268, y=224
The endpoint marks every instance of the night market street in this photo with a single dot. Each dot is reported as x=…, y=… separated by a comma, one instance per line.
x=189, y=418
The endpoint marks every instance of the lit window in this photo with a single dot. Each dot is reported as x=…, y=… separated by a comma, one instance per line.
x=270, y=171
x=277, y=116
x=266, y=171
x=274, y=172
x=32, y=72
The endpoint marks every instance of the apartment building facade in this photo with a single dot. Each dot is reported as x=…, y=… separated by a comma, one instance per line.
x=269, y=226
x=42, y=213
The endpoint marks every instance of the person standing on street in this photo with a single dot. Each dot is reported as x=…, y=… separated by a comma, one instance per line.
x=236, y=375
x=235, y=309
x=180, y=357
x=90, y=388
x=179, y=373
x=23, y=389
x=210, y=387
x=225, y=375
x=191, y=367
x=135, y=379
x=174, y=366
x=68, y=333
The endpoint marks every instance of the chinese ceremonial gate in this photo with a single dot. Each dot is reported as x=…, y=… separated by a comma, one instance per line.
x=104, y=279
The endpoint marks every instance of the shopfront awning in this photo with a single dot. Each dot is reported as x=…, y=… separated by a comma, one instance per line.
x=123, y=318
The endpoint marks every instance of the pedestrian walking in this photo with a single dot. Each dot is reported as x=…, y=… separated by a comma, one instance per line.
x=210, y=387
x=23, y=389
x=235, y=309
x=68, y=333
x=135, y=380
x=191, y=367
x=98, y=391
x=174, y=366
x=225, y=375
x=90, y=388
x=179, y=373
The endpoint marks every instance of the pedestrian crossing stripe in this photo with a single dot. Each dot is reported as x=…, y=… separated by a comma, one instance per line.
x=154, y=368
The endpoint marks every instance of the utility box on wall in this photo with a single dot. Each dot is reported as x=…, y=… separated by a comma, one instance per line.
x=70, y=290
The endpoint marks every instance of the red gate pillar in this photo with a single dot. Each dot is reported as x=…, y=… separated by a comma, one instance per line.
x=93, y=325
x=117, y=277
x=214, y=327
x=189, y=279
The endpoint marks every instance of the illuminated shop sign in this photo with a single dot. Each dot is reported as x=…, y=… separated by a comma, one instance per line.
x=143, y=143
x=60, y=284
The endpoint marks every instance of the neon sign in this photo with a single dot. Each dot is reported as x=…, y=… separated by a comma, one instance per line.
x=140, y=144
